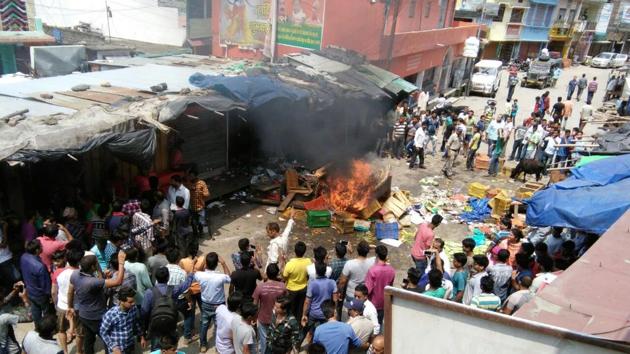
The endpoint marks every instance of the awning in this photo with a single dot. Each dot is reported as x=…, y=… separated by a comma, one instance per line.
x=386, y=80
x=26, y=37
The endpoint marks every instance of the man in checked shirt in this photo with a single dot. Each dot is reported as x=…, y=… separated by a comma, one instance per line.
x=121, y=325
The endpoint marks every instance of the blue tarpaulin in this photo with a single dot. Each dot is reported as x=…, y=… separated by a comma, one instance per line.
x=480, y=210
x=592, y=199
x=254, y=91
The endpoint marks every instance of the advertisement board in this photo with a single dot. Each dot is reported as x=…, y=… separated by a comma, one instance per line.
x=604, y=18
x=246, y=23
x=301, y=23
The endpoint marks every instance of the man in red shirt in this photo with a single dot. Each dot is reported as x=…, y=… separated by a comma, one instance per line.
x=378, y=277
x=424, y=240
x=50, y=245
x=265, y=297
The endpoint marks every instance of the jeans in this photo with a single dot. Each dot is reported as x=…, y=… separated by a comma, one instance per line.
x=510, y=92
x=189, y=321
x=399, y=144
x=90, y=331
x=589, y=96
x=262, y=337
x=470, y=161
x=448, y=165
x=208, y=314
x=380, y=314
x=433, y=141
x=421, y=265
x=491, y=144
x=579, y=93
x=517, y=150
x=40, y=307
x=493, y=169
x=570, y=93
x=417, y=153
x=297, y=302
x=198, y=221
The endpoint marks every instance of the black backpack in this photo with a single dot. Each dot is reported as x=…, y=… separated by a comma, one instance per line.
x=163, y=313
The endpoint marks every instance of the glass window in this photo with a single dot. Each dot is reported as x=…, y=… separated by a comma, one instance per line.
x=412, y=8
x=443, y=7
x=517, y=15
x=427, y=8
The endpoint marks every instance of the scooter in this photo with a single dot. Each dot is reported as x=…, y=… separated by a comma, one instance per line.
x=490, y=109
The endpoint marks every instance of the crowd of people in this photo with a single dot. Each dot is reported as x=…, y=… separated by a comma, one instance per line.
x=509, y=272
x=542, y=136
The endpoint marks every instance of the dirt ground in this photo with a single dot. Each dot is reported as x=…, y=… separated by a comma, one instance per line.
x=239, y=219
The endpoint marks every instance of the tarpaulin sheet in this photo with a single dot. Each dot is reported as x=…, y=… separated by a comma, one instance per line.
x=617, y=140
x=591, y=199
x=134, y=147
x=254, y=91
x=480, y=210
x=175, y=108
x=58, y=60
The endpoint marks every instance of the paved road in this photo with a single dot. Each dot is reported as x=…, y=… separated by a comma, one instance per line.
x=526, y=96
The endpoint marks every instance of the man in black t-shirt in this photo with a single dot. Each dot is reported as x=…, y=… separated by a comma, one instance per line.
x=557, y=110
x=244, y=279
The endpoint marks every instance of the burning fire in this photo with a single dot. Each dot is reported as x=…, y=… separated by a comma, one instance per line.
x=351, y=193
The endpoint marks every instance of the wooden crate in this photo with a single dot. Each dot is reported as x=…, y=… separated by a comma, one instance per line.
x=371, y=209
x=343, y=223
x=482, y=162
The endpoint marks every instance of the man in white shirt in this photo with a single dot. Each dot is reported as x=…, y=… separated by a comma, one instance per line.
x=243, y=334
x=418, y=147
x=473, y=286
x=177, y=189
x=492, y=133
x=369, y=310
x=438, y=244
x=59, y=292
x=277, y=249
x=225, y=316
x=319, y=256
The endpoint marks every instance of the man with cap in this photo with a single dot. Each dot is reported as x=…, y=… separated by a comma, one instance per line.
x=361, y=325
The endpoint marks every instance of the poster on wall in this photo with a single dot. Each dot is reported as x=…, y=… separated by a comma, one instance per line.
x=301, y=23
x=245, y=23
x=604, y=18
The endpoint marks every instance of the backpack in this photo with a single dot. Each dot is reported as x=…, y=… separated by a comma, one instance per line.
x=163, y=312
x=431, y=127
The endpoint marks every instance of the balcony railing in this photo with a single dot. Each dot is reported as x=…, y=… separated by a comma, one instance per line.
x=534, y=33
x=561, y=31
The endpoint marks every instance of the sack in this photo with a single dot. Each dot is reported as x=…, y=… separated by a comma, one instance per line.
x=163, y=312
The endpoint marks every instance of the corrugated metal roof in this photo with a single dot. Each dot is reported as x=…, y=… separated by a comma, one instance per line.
x=140, y=77
x=386, y=80
x=319, y=63
x=592, y=295
x=9, y=105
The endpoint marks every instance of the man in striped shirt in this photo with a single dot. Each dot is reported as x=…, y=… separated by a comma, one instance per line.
x=486, y=300
x=399, y=137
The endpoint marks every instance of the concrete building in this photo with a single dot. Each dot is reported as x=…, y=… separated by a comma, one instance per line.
x=416, y=39
x=153, y=21
x=564, y=27
x=18, y=31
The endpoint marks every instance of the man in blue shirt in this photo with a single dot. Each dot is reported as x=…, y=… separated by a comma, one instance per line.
x=121, y=326
x=319, y=290
x=336, y=336
x=36, y=280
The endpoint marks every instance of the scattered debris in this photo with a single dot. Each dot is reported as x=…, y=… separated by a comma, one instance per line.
x=81, y=87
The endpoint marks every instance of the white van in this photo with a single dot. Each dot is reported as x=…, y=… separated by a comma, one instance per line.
x=619, y=60
x=486, y=78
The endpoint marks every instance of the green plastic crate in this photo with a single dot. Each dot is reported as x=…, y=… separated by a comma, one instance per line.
x=318, y=218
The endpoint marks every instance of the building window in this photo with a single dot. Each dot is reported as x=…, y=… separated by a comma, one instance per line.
x=499, y=16
x=443, y=7
x=517, y=15
x=571, y=15
x=199, y=8
x=427, y=8
x=412, y=8
x=548, y=15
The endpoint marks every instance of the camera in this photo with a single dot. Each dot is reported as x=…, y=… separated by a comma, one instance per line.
x=428, y=253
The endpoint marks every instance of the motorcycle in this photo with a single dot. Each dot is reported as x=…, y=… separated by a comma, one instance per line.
x=490, y=109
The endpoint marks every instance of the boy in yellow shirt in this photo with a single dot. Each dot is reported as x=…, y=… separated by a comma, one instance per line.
x=296, y=277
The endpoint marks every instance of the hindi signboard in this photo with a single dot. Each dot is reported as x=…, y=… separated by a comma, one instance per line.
x=245, y=23
x=301, y=23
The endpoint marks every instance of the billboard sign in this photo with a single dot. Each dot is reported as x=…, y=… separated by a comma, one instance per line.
x=301, y=23
x=604, y=18
x=245, y=23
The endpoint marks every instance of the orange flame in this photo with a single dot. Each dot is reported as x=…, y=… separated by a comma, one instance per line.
x=351, y=193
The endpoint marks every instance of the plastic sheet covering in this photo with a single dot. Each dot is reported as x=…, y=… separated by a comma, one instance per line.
x=254, y=91
x=480, y=210
x=212, y=103
x=590, y=200
x=134, y=147
x=58, y=60
x=615, y=141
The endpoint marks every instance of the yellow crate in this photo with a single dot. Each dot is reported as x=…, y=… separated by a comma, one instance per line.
x=477, y=190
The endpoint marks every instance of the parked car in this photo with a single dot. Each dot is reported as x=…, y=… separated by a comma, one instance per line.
x=486, y=78
x=619, y=60
x=603, y=60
